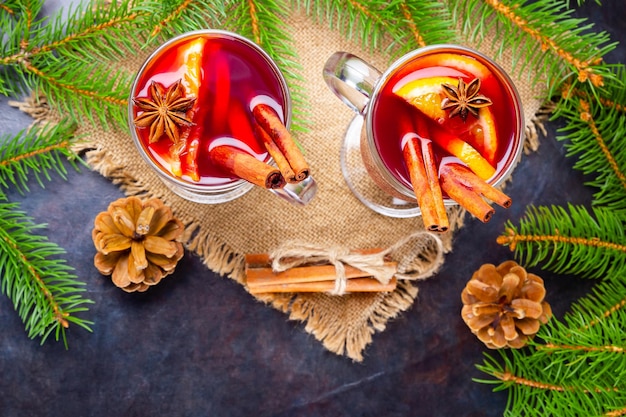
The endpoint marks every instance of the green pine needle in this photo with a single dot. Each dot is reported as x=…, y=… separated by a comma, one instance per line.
x=91, y=31
x=545, y=41
x=417, y=24
x=594, y=134
x=361, y=20
x=34, y=153
x=162, y=20
x=570, y=241
x=45, y=293
x=576, y=366
x=397, y=26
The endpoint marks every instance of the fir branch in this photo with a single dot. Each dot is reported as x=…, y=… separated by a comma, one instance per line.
x=412, y=25
x=579, y=360
x=29, y=10
x=592, y=353
x=361, y=20
x=5, y=7
x=551, y=347
x=594, y=133
x=571, y=241
x=41, y=286
x=611, y=101
x=418, y=24
x=591, y=319
x=57, y=58
x=73, y=92
x=36, y=152
x=542, y=35
x=166, y=19
x=96, y=29
x=612, y=159
x=400, y=26
x=542, y=385
x=82, y=34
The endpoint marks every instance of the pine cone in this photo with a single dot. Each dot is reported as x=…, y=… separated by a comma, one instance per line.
x=504, y=306
x=137, y=242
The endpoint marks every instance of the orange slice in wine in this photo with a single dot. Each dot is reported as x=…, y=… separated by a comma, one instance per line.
x=192, y=59
x=482, y=134
x=426, y=95
x=463, y=150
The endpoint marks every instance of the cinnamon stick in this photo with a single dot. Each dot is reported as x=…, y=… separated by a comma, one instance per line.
x=269, y=121
x=276, y=154
x=421, y=163
x=317, y=277
x=467, y=189
x=241, y=164
x=261, y=276
x=367, y=284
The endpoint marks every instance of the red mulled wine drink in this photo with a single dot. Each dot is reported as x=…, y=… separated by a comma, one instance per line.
x=196, y=93
x=414, y=94
x=443, y=125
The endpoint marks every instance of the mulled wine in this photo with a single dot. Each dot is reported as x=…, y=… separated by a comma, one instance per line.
x=443, y=125
x=228, y=76
x=411, y=99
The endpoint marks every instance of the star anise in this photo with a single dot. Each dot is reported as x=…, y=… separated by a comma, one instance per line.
x=464, y=98
x=164, y=110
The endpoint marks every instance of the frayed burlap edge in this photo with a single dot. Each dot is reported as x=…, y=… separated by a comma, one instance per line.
x=536, y=127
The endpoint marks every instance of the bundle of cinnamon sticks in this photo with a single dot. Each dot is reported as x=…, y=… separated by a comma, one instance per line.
x=261, y=278
x=452, y=178
x=291, y=167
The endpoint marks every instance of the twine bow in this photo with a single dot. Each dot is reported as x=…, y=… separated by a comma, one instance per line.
x=418, y=256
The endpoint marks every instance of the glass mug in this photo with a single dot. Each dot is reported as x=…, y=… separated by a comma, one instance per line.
x=231, y=73
x=370, y=94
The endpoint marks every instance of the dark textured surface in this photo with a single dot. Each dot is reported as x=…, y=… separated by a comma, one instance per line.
x=198, y=345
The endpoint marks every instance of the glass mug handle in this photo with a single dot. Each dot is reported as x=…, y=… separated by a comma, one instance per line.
x=300, y=193
x=351, y=79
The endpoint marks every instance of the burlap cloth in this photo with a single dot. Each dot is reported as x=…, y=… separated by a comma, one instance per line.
x=259, y=221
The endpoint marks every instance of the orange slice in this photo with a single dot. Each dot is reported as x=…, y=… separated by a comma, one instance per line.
x=464, y=151
x=483, y=134
x=489, y=87
x=426, y=95
x=192, y=58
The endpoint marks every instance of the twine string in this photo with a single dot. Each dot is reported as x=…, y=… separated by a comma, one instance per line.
x=418, y=256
